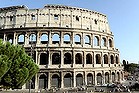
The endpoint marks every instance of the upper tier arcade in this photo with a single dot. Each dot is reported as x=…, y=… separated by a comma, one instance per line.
x=53, y=16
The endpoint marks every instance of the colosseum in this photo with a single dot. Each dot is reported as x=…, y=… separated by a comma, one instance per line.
x=72, y=46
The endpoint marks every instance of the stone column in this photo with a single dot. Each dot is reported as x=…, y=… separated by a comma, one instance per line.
x=50, y=38
x=95, y=78
x=73, y=58
x=102, y=59
x=74, y=79
x=62, y=57
x=37, y=38
x=110, y=77
x=49, y=59
x=103, y=77
x=85, y=78
x=15, y=39
x=84, y=58
x=62, y=80
x=61, y=39
x=37, y=57
x=49, y=80
x=4, y=37
x=37, y=81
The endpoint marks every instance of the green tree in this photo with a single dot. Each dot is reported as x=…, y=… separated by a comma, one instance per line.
x=19, y=67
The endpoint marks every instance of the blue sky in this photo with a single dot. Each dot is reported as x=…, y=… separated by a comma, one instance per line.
x=123, y=17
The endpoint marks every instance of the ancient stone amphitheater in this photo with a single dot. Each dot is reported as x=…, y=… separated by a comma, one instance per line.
x=72, y=46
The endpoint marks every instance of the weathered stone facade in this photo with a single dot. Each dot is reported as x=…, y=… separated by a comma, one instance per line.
x=72, y=46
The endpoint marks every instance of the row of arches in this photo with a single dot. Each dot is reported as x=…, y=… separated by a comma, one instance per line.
x=79, y=58
x=67, y=39
x=80, y=80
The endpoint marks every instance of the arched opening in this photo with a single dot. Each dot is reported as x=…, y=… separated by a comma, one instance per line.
x=118, y=76
x=44, y=39
x=103, y=42
x=21, y=39
x=67, y=58
x=96, y=41
x=98, y=59
x=78, y=58
x=77, y=39
x=105, y=58
x=88, y=59
x=117, y=60
x=32, y=39
x=112, y=59
x=68, y=80
x=113, y=77
x=10, y=38
x=56, y=81
x=87, y=40
x=110, y=43
x=106, y=78
x=56, y=58
x=55, y=39
x=89, y=79
x=67, y=39
x=99, y=79
x=79, y=79
x=43, y=82
x=43, y=59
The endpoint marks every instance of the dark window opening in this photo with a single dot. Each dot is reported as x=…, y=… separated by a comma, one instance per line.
x=78, y=58
x=79, y=79
x=43, y=59
x=99, y=79
x=88, y=59
x=68, y=80
x=117, y=60
x=32, y=83
x=98, y=59
x=112, y=59
x=55, y=17
x=56, y=58
x=43, y=82
x=89, y=79
x=95, y=21
x=56, y=81
x=105, y=59
x=77, y=18
x=67, y=58
x=11, y=18
x=110, y=43
x=33, y=17
x=10, y=38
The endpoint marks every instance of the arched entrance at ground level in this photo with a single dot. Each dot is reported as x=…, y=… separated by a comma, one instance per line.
x=79, y=79
x=113, y=77
x=68, y=80
x=43, y=82
x=89, y=79
x=56, y=81
x=106, y=78
x=118, y=76
x=99, y=79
